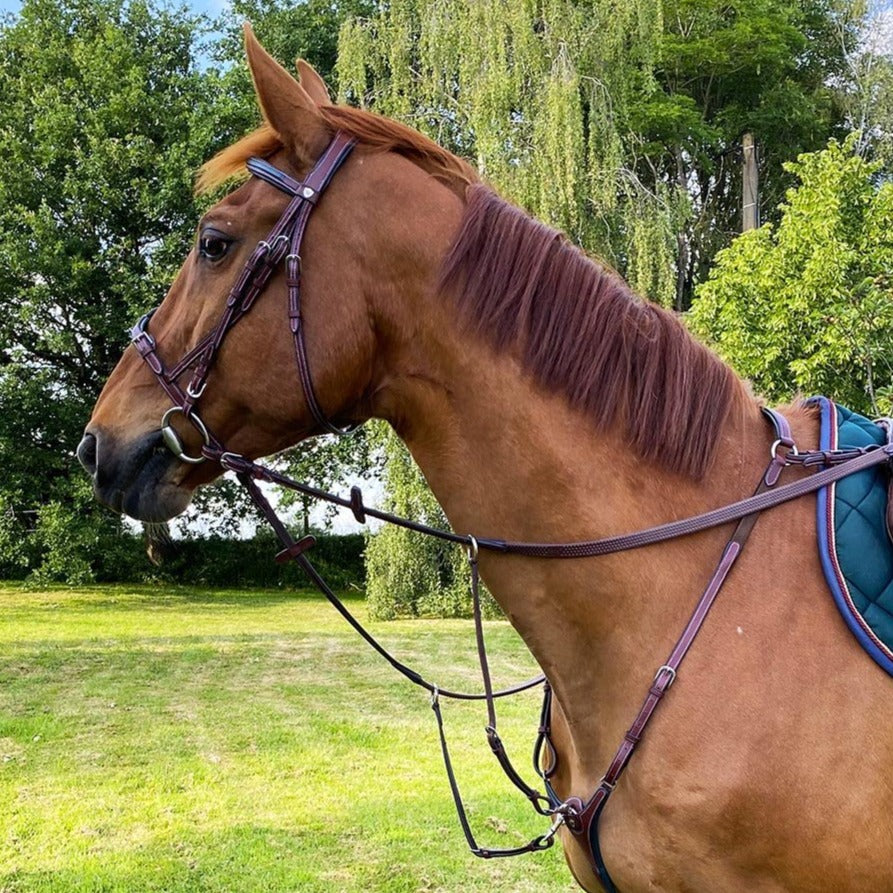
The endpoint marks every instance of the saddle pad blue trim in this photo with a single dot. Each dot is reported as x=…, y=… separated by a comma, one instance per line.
x=855, y=551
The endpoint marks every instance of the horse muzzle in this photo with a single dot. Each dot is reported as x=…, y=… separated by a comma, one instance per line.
x=142, y=478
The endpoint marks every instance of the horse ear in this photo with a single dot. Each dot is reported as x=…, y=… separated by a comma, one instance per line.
x=285, y=104
x=314, y=85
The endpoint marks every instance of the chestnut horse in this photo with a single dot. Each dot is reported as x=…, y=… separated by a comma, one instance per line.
x=544, y=402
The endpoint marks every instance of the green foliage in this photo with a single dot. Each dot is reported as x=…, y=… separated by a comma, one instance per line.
x=327, y=463
x=107, y=112
x=105, y=116
x=536, y=95
x=62, y=541
x=723, y=69
x=866, y=91
x=306, y=30
x=223, y=561
x=13, y=547
x=807, y=304
x=613, y=122
x=618, y=123
x=408, y=574
x=63, y=549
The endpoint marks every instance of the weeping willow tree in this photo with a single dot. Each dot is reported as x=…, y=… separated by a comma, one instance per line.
x=535, y=93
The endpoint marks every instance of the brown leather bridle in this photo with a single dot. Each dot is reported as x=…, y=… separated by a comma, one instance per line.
x=283, y=244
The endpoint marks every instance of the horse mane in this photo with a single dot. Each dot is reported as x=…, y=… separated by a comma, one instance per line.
x=578, y=327
x=372, y=131
x=581, y=331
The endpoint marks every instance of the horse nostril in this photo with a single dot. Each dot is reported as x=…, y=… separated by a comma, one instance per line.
x=86, y=453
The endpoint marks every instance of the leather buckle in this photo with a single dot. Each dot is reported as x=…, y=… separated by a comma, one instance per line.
x=296, y=549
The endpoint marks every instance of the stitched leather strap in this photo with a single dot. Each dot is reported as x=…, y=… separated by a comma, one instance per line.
x=856, y=461
x=583, y=824
x=296, y=551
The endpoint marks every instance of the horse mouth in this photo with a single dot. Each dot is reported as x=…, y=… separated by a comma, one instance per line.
x=142, y=479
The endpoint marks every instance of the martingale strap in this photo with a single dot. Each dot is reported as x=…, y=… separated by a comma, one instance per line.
x=283, y=244
x=583, y=820
x=295, y=551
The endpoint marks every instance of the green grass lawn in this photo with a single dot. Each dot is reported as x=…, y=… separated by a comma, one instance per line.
x=190, y=740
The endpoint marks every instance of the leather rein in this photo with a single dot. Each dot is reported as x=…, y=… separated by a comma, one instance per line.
x=283, y=245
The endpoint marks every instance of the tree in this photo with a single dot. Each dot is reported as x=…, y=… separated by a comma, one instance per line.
x=409, y=574
x=306, y=30
x=806, y=305
x=867, y=89
x=535, y=94
x=723, y=69
x=617, y=123
x=105, y=116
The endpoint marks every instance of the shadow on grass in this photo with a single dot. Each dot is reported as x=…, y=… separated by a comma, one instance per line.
x=255, y=859
x=339, y=856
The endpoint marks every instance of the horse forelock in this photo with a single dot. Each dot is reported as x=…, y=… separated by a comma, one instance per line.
x=581, y=331
x=230, y=162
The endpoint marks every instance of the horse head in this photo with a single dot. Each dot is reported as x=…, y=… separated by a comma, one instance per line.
x=378, y=232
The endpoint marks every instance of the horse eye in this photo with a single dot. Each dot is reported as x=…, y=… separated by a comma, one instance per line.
x=213, y=246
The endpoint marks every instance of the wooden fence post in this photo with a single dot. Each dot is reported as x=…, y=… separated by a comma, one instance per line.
x=750, y=192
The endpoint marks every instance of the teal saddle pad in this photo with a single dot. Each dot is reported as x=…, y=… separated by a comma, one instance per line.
x=854, y=547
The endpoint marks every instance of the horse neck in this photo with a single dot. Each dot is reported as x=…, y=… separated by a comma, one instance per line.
x=507, y=460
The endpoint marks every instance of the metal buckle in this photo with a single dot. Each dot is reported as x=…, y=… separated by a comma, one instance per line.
x=172, y=439
x=783, y=442
x=472, y=550
x=669, y=670
x=233, y=461
x=196, y=394
x=141, y=336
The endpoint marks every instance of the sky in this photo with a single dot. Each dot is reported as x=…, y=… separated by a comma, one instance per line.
x=212, y=7
x=881, y=39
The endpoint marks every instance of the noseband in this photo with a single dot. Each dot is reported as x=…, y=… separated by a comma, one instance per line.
x=581, y=818
x=282, y=243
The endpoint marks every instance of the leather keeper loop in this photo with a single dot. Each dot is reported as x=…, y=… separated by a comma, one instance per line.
x=294, y=307
x=251, y=296
x=293, y=269
x=356, y=504
x=296, y=549
x=153, y=362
